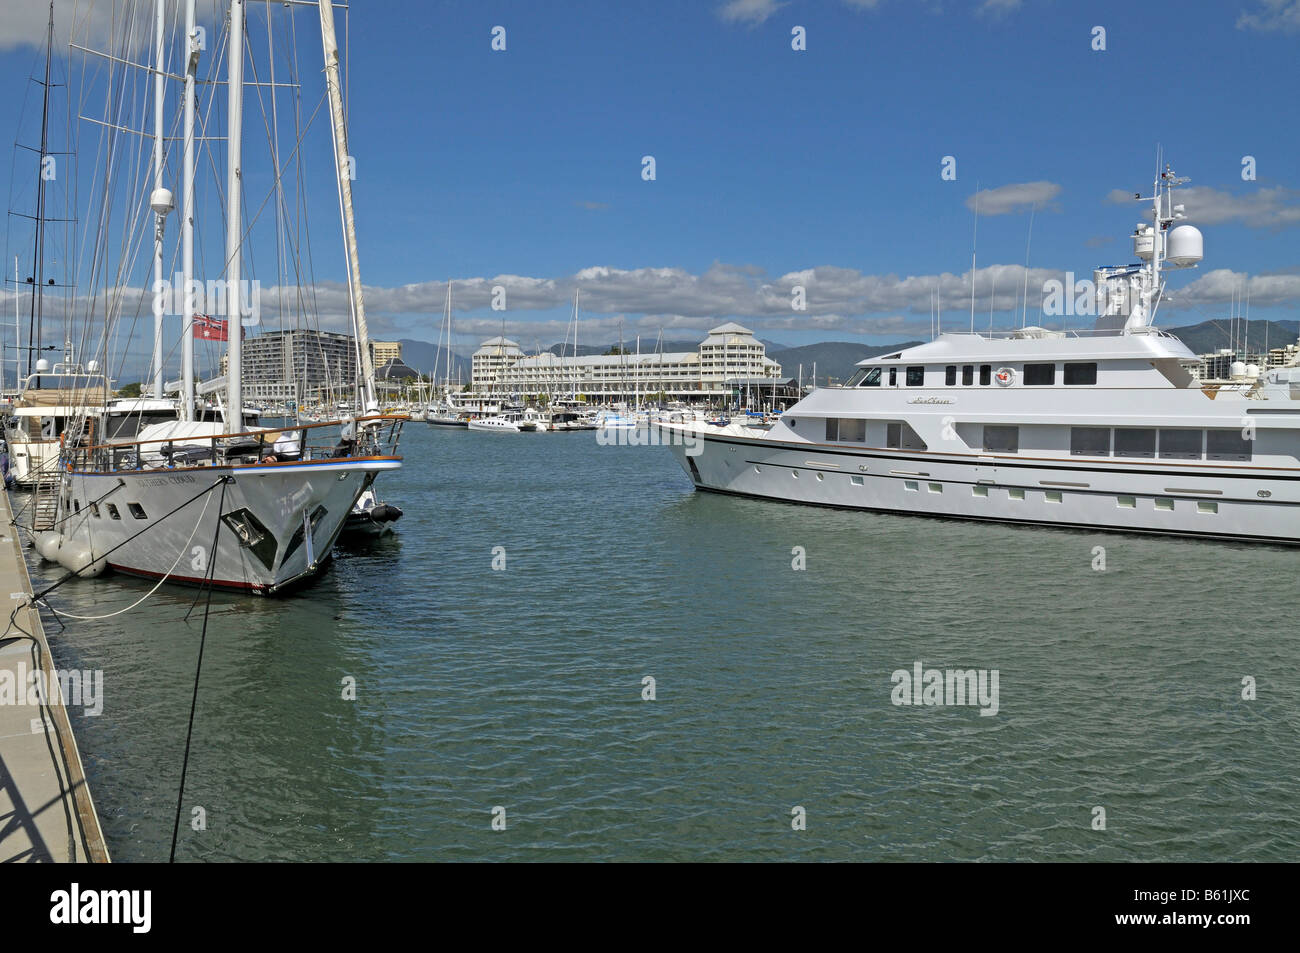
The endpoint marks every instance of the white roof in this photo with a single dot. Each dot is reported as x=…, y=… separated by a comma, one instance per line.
x=548, y=359
x=1067, y=346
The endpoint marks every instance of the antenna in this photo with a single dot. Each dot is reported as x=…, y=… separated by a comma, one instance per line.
x=1028, y=241
x=973, y=241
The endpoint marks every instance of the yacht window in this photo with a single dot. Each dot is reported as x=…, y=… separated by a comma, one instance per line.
x=1090, y=441
x=916, y=377
x=1040, y=374
x=968, y=374
x=1133, y=442
x=1226, y=445
x=1081, y=374
x=856, y=379
x=986, y=374
x=94, y=510
x=893, y=377
x=1180, y=444
x=137, y=511
x=1002, y=439
x=901, y=436
x=76, y=506
x=851, y=429
x=832, y=428
x=113, y=513
x=950, y=375
x=871, y=378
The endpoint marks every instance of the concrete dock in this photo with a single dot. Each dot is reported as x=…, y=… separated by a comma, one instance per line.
x=46, y=813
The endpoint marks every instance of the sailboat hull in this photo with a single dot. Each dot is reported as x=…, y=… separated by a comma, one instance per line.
x=261, y=528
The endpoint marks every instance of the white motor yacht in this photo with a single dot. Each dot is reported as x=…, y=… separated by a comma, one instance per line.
x=1104, y=429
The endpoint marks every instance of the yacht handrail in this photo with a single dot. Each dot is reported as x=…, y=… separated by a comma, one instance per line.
x=1020, y=335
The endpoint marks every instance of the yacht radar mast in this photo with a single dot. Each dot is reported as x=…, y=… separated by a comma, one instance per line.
x=1160, y=248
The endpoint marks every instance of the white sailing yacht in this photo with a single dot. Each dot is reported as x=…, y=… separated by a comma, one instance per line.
x=209, y=501
x=442, y=411
x=1104, y=429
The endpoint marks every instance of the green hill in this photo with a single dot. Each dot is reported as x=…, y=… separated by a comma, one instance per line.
x=1209, y=336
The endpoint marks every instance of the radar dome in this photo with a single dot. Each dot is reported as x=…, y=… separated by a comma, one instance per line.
x=1237, y=370
x=1186, y=246
x=42, y=365
x=161, y=201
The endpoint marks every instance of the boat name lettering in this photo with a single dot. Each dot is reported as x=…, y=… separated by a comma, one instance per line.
x=930, y=400
x=164, y=481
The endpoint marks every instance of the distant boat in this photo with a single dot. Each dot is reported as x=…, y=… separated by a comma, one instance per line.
x=501, y=423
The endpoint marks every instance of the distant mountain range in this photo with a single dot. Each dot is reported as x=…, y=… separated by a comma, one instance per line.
x=424, y=357
x=1209, y=336
x=834, y=360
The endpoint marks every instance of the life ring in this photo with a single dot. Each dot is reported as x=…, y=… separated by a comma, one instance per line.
x=1005, y=376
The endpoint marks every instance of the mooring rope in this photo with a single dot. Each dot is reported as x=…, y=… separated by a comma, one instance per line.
x=198, y=670
x=179, y=556
x=221, y=481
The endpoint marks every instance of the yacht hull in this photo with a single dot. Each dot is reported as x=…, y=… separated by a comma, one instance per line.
x=167, y=521
x=1255, y=504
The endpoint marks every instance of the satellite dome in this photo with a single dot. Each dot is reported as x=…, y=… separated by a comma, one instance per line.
x=1186, y=246
x=42, y=365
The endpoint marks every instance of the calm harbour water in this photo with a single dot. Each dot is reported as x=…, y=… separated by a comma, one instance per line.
x=522, y=688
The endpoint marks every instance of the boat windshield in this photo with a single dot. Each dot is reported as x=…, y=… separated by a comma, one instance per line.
x=865, y=377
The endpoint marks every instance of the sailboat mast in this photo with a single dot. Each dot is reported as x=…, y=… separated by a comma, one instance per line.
x=234, y=221
x=187, y=217
x=160, y=200
x=38, y=252
x=341, y=167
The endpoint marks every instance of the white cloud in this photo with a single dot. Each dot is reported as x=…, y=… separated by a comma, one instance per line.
x=683, y=305
x=1222, y=286
x=101, y=26
x=1272, y=16
x=1269, y=207
x=1014, y=198
x=750, y=12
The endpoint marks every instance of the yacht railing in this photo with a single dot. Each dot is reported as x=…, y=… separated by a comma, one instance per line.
x=1049, y=333
x=377, y=435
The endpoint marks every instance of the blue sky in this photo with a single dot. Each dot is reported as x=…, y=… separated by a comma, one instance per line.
x=776, y=167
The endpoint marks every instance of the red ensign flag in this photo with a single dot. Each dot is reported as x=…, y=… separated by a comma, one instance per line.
x=207, y=328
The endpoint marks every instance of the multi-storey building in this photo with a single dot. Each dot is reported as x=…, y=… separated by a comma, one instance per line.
x=297, y=365
x=381, y=352
x=728, y=355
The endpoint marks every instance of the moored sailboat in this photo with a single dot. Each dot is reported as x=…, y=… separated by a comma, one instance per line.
x=210, y=501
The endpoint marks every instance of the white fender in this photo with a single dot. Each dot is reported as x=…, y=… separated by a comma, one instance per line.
x=47, y=543
x=83, y=560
